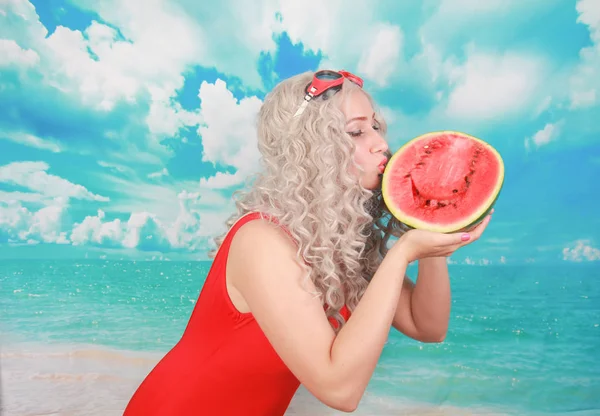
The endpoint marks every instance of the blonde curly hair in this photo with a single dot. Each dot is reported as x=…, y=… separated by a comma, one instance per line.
x=340, y=227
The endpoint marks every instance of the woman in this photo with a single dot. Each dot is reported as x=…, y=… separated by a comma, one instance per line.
x=305, y=252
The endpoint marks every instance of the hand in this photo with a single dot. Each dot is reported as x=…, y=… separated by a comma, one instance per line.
x=419, y=244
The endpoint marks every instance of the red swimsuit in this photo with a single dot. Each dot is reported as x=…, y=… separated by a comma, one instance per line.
x=223, y=365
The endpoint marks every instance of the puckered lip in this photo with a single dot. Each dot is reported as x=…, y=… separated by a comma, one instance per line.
x=383, y=163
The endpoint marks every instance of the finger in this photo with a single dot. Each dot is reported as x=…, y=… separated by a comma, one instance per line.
x=476, y=225
x=478, y=231
x=454, y=240
x=461, y=239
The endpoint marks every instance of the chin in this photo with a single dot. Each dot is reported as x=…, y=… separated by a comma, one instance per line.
x=372, y=183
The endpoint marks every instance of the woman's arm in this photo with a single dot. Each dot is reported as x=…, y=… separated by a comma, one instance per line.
x=335, y=369
x=423, y=310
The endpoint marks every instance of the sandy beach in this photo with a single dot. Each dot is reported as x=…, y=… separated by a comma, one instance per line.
x=91, y=381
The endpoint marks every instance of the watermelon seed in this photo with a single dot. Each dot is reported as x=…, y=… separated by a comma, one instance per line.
x=428, y=152
x=414, y=188
x=428, y=202
x=455, y=191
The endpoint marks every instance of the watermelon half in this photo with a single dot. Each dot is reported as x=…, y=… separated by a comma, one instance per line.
x=443, y=181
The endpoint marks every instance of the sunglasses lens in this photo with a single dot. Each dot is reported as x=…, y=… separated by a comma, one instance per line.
x=327, y=75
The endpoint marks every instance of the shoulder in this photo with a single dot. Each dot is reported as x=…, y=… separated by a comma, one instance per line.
x=261, y=235
x=261, y=248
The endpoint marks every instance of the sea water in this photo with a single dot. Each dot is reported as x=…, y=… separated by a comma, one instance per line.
x=77, y=338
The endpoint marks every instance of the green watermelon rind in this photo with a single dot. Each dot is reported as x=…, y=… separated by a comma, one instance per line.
x=461, y=225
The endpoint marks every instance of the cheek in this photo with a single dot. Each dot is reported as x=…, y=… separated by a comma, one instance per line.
x=360, y=155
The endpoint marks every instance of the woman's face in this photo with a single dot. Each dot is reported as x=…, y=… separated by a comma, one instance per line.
x=370, y=145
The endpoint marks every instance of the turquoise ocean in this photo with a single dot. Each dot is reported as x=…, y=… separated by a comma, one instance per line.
x=78, y=336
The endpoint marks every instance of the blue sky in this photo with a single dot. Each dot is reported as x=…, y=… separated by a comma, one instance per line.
x=126, y=126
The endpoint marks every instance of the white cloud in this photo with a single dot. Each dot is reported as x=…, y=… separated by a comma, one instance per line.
x=371, y=40
x=195, y=223
x=490, y=86
x=315, y=30
x=17, y=223
x=431, y=61
x=589, y=14
x=99, y=83
x=46, y=224
x=97, y=68
x=93, y=231
x=235, y=34
x=11, y=54
x=31, y=140
x=143, y=231
x=471, y=81
x=13, y=219
x=455, y=22
x=379, y=61
x=235, y=147
x=190, y=230
x=166, y=116
x=116, y=167
x=159, y=174
x=585, y=81
x=580, y=98
x=19, y=22
x=192, y=33
x=134, y=195
x=581, y=250
x=17, y=196
x=549, y=133
x=545, y=135
x=34, y=176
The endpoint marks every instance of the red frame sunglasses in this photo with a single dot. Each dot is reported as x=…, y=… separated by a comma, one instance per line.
x=325, y=80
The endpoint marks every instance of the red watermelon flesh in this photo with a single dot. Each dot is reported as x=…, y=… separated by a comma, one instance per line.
x=443, y=181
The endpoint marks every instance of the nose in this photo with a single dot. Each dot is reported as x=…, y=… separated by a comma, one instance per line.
x=379, y=144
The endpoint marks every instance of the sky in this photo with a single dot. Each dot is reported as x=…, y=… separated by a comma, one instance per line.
x=125, y=126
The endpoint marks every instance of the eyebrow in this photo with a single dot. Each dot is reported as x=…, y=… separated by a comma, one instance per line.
x=362, y=118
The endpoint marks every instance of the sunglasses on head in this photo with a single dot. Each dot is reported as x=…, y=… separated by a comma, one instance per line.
x=326, y=80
